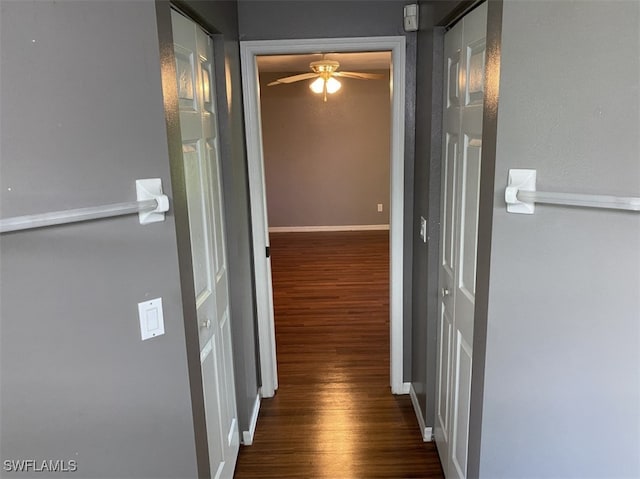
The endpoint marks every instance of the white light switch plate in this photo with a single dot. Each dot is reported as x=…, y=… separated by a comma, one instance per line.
x=423, y=229
x=151, y=318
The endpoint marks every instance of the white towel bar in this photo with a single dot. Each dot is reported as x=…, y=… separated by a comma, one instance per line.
x=521, y=196
x=151, y=206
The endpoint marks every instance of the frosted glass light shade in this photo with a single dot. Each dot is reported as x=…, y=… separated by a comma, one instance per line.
x=333, y=85
x=317, y=85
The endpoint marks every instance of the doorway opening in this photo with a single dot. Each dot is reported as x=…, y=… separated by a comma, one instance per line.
x=326, y=150
x=262, y=264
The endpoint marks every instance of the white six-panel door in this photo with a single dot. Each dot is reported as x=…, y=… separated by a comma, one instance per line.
x=200, y=149
x=464, y=69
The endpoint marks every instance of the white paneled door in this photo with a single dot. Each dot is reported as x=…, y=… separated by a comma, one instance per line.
x=200, y=150
x=464, y=69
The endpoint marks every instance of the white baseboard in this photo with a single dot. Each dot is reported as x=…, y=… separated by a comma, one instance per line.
x=406, y=388
x=312, y=229
x=247, y=436
x=427, y=432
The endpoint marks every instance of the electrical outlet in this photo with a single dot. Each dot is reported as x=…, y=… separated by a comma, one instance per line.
x=379, y=207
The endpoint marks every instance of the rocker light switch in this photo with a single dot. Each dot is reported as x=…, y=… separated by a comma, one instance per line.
x=151, y=319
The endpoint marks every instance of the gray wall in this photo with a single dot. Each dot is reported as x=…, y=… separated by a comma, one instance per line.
x=82, y=118
x=278, y=19
x=326, y=163
x=426, y=203
x=562, y=372
x=273, y=19
x=221, y=17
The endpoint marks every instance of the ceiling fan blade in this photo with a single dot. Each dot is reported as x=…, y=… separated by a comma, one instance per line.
x=294, y=78
x=359, y=76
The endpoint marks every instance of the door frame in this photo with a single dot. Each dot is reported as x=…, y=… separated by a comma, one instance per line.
x=262, y=279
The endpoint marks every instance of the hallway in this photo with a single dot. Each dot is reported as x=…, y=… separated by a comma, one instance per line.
x=334, y=415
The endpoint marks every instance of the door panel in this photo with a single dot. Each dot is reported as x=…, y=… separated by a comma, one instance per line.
x=195, y=172
x=453, y=73
x=211, y=396
x=220, y=257
x=462, y=151
x=444, y=374
x=197, y=212
x=474, y=80
x=232, y=435
x=198, y=125
x=470, y=190
x=186, y=79
x=460, y=409
x=449, y=195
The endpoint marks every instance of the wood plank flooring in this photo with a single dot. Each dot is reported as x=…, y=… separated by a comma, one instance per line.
x=333, y=415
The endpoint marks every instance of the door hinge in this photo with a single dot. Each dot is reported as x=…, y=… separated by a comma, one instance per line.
x=268, y=252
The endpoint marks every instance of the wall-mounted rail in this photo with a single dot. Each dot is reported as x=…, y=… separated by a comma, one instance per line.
x=150, y=206
x=521, y=196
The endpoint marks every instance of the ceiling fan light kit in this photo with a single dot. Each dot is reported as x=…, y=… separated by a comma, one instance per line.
x=324, y=72
x=324, y=66
x=325, y=85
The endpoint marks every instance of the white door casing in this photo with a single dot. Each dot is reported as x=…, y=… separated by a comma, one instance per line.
x=462, y=147
x=193, y=50
x=264, y=294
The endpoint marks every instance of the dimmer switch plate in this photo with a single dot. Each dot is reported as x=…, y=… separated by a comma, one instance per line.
x=151, y=319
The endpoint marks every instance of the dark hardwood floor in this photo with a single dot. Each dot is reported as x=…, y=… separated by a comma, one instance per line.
x=333, y=415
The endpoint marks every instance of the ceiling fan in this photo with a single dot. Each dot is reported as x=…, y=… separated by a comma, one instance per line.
x=324, y=71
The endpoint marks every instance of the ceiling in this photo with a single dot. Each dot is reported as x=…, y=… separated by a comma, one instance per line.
x=360, y=61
